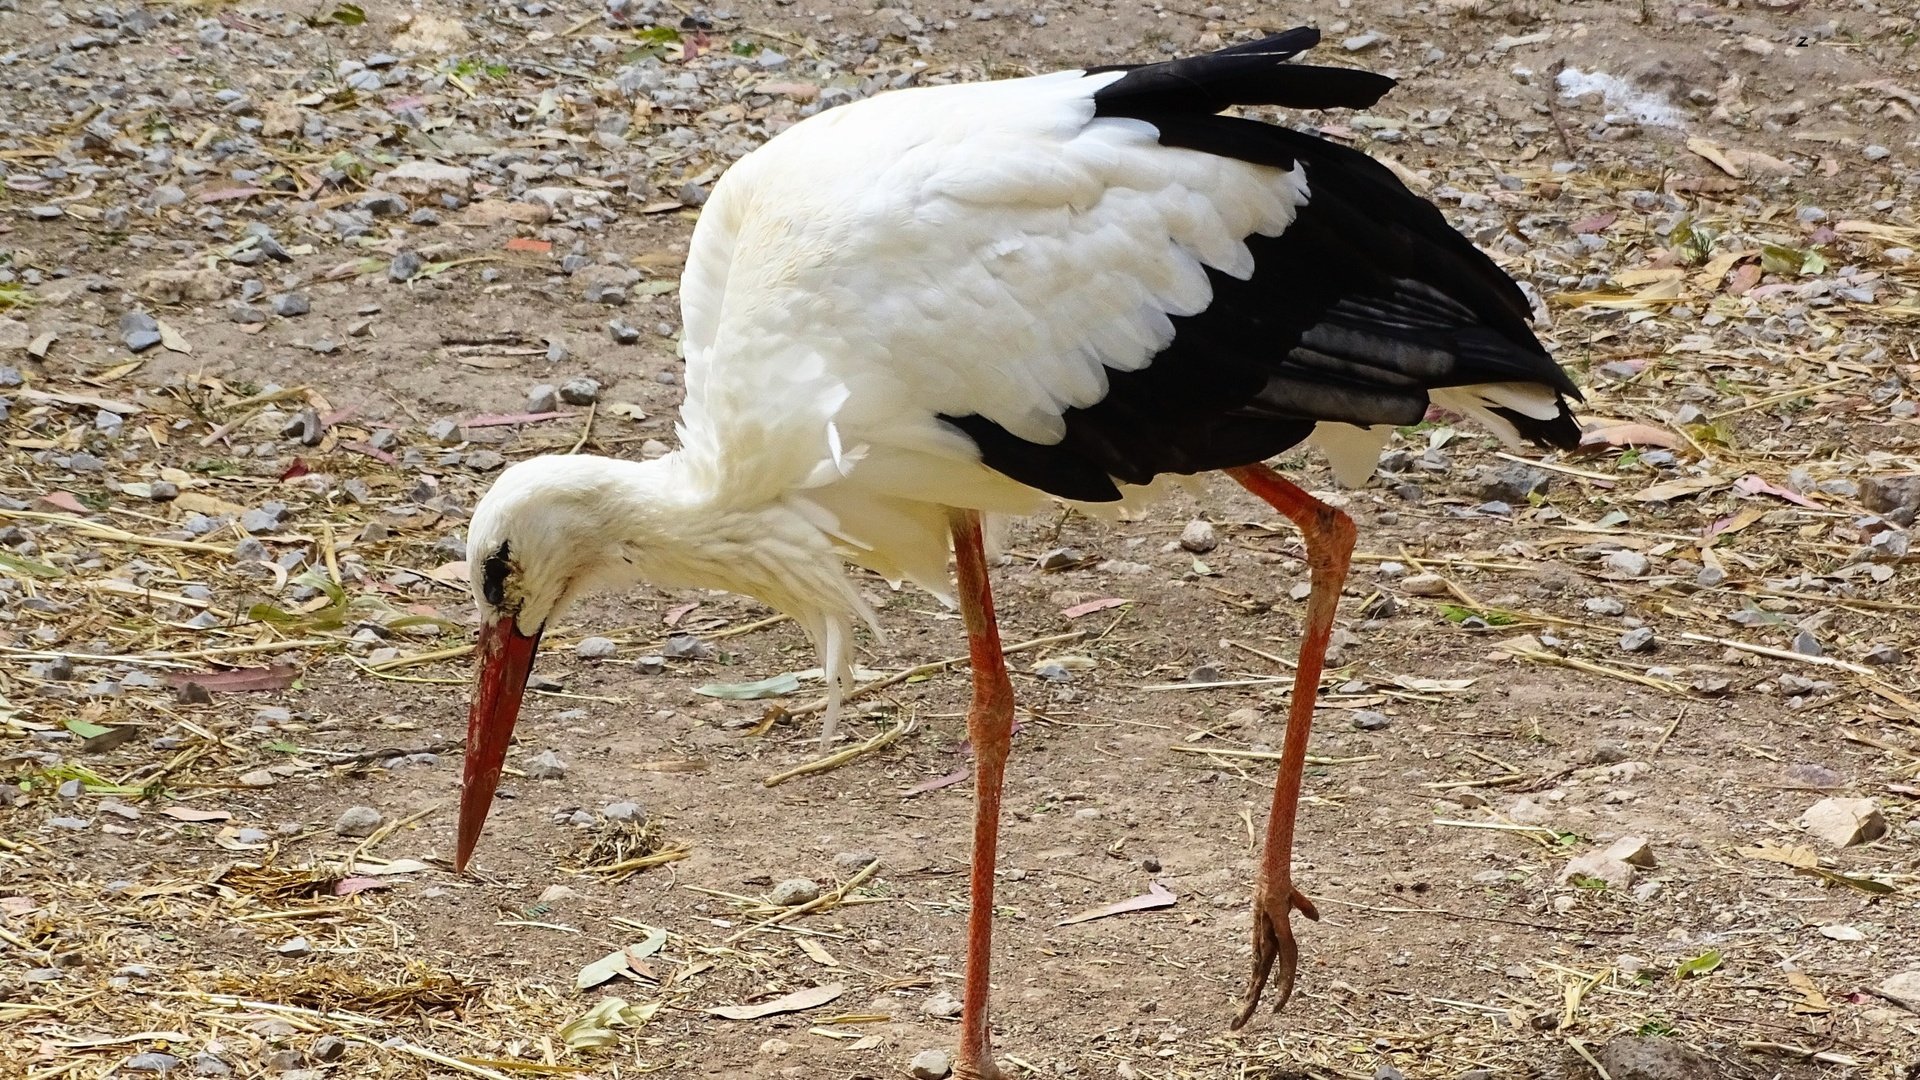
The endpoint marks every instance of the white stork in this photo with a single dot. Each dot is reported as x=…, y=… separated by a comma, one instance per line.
x=945, y=302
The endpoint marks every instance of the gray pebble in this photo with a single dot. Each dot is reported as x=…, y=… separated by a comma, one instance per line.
x=252, y=550
x=794, y=892
x=1806, y=644
x=1628, y=563
x=580, y=390
x=1199, y=536
x=1605, y=605
x=358, y=821
x=852, y=862
x=546, y=765
x=329, y=1048
x=543, y=398
x=152, y=1061
x=404, y=266
x=209, y=1065
x=621, y=333
x=1709, y=577
x=485, y=460
x=384, y=204
x=595, y=648
x=1639, y=639
x=931, y=1065
x=1882, y=654
x=624, y=811
x=444, y=432
x=291, y=304
x=71, y=823
x=1511, y=483
x=941, y=1006
x=163, y=491
x=192, y=693
x=1368, y=720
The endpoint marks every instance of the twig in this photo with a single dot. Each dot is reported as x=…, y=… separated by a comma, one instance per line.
x=1592, y=668
x=935, y=667
x=164, y=658
x=819, y=903
x=1780, y=654
x=1581, y=1049
x=1667, y=734
x=1270, y=755
x=108, y=532
x=586, y=429
x=834, y=761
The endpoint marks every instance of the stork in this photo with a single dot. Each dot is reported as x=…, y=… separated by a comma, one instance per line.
x=946, y=302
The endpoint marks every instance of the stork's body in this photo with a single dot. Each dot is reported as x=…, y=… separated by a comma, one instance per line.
x=938, y=303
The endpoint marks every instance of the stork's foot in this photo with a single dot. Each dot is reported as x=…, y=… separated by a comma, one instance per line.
x=1273, y=944
x=984, y=1069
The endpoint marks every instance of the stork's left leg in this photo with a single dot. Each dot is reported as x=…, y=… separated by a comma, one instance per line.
x=1329, y=535
x=990, y=727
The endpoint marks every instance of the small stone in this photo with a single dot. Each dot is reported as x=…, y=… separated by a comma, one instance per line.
x=328, y=1048
x=580, y=390
x=288, y=305
x=209, y=1065
x=793, y=892
x=297, y=946
x=192, y=693
x=445, y=432
x=1887, y=494
x=1639, y=639
x=304, y=428
x=1199, y=536
x=404, y=266
x=1628, y=564
x=621, y=333
x=1882, y=654
x=1368, y=720
x=384, y=204
x=544, y=398
x=359, y=821
x=1426, y=585
x=1061, y=559
x=931, y=1065
x=484, y=460
x=1511, y=482
x=1363, y=42
x=1710, y=577
x=1875, y=152
x=1806, y=644
x=1605, y=605
x=852, y=862
x=546, y=765
x=624, y=811
x=941, y=1006
x=1903, y=987
x=154, y=1062
x=1639, y=1057
x=285, y=1061
x=1817, y=777
x=595, y=648
x=1844, y=822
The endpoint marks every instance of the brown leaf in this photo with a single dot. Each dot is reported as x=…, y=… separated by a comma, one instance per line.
x=1092, y=606
x=799, y=1000
x=1630, y=434
x=352, y=885
x=1596, y=223
x=238, y=680
x=65, y=501
x=1157, y=896
x=935, y=784
x=1669, y=490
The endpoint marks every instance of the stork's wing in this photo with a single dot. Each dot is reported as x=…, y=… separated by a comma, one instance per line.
x=1094, y=278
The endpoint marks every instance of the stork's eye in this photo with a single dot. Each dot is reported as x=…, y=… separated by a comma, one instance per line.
x=493, y=576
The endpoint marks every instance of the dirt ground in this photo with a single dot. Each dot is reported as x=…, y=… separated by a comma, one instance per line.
x=1733, y=270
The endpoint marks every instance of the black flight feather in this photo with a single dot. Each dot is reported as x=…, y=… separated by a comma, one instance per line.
x=1363, y=304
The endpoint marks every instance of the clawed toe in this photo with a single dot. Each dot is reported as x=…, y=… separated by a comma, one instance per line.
x=1273, y=944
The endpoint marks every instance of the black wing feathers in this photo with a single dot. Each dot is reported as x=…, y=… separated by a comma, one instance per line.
x=1363, y=304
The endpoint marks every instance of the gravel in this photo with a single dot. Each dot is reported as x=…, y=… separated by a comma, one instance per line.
x=358, y=821
x=580, y=390
x=545, y=765
x=1199, y=536
x=544, y=398
x=931, y=1065
x=596, y=648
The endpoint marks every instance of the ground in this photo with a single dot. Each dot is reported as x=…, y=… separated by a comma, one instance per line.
x=1722, y=236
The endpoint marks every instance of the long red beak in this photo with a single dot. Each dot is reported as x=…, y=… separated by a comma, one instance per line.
x=505, y=658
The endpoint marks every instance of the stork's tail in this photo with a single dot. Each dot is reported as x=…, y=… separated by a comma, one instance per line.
x=1255, y=73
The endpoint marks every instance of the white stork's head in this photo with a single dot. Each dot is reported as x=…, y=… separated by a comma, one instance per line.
x=554, y=528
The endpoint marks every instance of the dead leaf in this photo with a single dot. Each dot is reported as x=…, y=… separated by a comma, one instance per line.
x=64, y=501
x=1630, y=434
x=935, y=784
x=1711, y=150
x=632, y=958
x=594, y=1029
x=1811, y=999
x=1596, y=223
x=527, y=243
x=626, y=410
x=170, y=338
x=1668, y=490
x=798, y=1001
x=1753, y=484
x=188, y=813
x=239, y=680
x=453, y=572
x=1797, y=856
x=389, y=869
x=1157, y=896
x=1092, y=606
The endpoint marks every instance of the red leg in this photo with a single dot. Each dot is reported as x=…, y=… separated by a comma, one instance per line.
x=990, y=726
x=1329, y=535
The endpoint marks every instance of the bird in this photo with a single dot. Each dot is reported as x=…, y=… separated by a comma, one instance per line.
x=944, y=306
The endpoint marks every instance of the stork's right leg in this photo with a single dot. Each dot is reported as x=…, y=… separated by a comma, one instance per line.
x=1329, y=535
x=990, y=726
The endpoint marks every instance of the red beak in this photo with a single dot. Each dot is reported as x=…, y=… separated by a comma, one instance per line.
x=505, y=659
